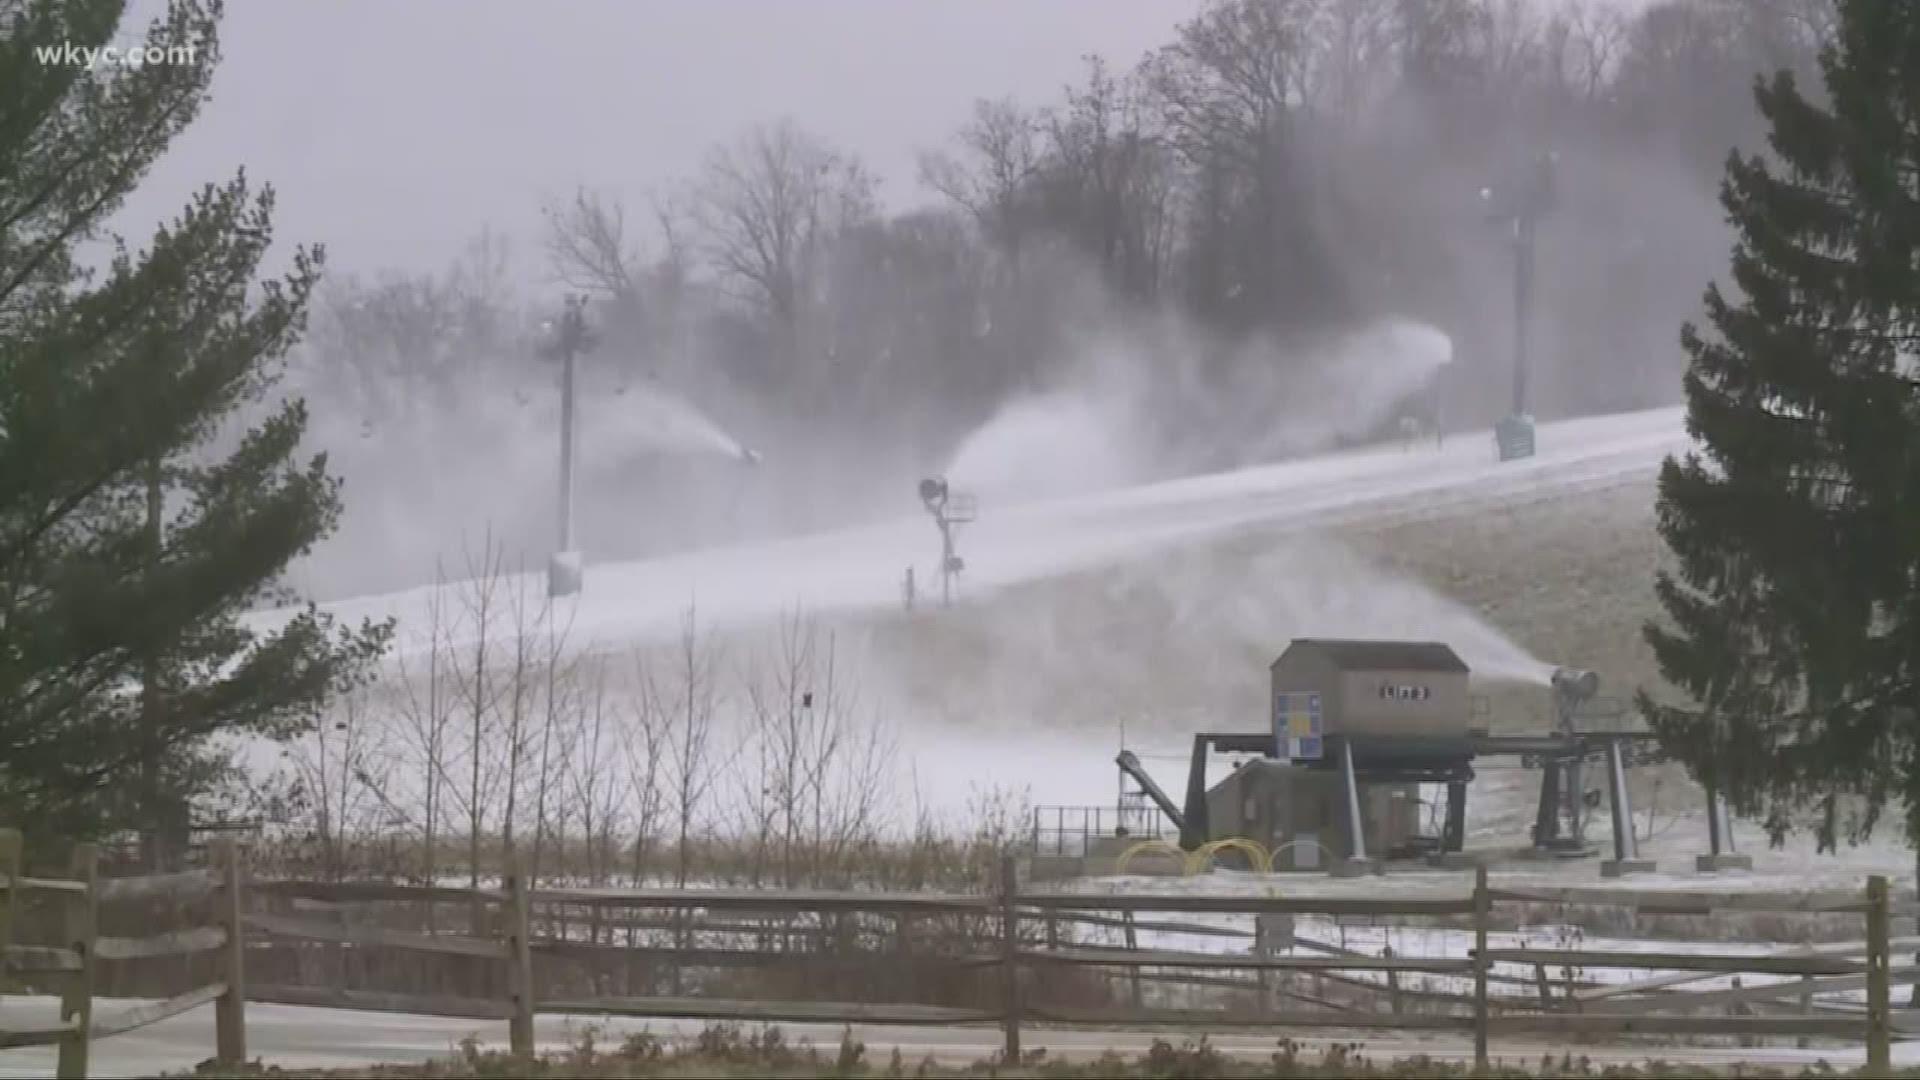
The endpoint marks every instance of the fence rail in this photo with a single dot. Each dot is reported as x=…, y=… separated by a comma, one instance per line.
x=75, y=962
x=1011, y=949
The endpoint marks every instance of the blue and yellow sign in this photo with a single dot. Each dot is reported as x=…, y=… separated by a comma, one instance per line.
x=1296, y=726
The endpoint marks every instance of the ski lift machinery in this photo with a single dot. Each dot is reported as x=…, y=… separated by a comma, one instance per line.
x=1357, y=726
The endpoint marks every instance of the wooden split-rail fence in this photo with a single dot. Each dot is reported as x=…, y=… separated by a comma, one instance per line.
x=75, y=960
x=1009, y=946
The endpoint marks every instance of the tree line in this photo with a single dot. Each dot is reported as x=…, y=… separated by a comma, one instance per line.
x=1280, y=169
x=1203, y=217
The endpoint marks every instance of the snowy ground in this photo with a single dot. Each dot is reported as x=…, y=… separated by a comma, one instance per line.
x=1150, y=612
x=864, y=568
x=1580, y=927
x=1154, y=609
x=293, y=1037
x=1159, y=606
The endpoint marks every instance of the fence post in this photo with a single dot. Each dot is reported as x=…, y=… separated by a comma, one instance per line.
x=76, y=1000
x=11, y=844
x=1806, y=1008
x=1010, y=957
x=519, y=962
x=1133, y=945
x=230, y=1009
x=1879, y=1004
x=1480, y=1018
x=1738, y=1009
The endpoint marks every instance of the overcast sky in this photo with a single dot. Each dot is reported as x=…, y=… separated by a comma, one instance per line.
x=395, y=129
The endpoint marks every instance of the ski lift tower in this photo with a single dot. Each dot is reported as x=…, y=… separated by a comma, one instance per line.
x=949, y=509
x=564, y=340
x=1519, y=207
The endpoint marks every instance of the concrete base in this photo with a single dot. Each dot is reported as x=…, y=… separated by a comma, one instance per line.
x=1148, y=864
x=1560, y=851
x=1622, y=867
x=1459, y=860
x=1711, y=864
x=1352, y=868
x=565, y=573
x=1055, y=867
x=1064, y=867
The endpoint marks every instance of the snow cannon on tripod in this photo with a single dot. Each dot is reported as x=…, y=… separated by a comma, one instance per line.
x=950, y=509
x=1572, y=688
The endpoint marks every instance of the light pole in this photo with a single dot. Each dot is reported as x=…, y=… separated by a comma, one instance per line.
x=1519, y=210
x=566, y=340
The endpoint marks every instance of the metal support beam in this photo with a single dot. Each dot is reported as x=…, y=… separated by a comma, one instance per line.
x=1576, y=794
x=1130, y=766
x=1546, y=820
x=1721, y=853
x=1354, y=822
x=1626, y=850
x=1625, y=847
x=1195, y=827
x=569, y=440
x=1454, y=836
x=571, y=338
x=1523, y=248
x=1713, y=817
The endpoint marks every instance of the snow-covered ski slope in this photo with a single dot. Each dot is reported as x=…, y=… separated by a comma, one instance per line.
x=864, y=567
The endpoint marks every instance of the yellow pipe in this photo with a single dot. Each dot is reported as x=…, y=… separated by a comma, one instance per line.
x=1203, y=857
x=1163, y=846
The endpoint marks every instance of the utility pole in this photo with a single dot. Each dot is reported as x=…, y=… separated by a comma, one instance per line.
x=568, y=338
x=1519, y=210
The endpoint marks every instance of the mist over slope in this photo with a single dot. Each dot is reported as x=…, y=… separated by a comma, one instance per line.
x=1134, y=417
x=1164, y=324
x=480, y=464
x=1152, y=611
x=1163, y=270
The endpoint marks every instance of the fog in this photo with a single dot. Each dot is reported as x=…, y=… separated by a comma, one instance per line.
x=1172, y=289
x=395, y=131
x=833, y=237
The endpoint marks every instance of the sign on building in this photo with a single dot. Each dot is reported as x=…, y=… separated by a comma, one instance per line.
x=1296, y=726
x=1405, y=693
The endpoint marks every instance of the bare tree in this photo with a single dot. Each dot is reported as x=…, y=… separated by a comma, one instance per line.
x=818, y=793
x=478, y=695
x=686, y=709
x=391, y=349
x=588, y=247
x=600, y=789
x=1354, y=39
x=1596, y=35
x=1236, y=87
x=342, y=769
x=1233, y=76
x=643, y=748
x=536, y=683
x=768, y=206
x=425, y=707
x=992, y=176
x=1109, y=179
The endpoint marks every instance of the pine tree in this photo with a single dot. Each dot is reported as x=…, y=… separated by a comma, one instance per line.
x=141, y=517
x=1794, y=613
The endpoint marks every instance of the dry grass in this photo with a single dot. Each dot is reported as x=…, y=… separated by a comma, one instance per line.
x=1569, y=577
x=731, y=1052
x=1179, y=639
